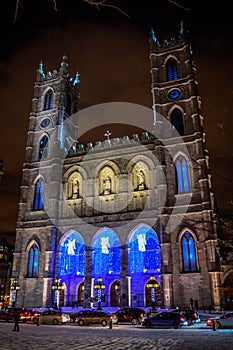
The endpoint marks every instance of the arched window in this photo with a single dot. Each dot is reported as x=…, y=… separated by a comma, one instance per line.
x=172, y=72
x=33, y=258
x=143, y=250
x=106, y=254
x=39, y=195
x=188, y=253
x=43, y=144
x=182, y=176
x=177, y=121
x=48, y=101
x=72, y=257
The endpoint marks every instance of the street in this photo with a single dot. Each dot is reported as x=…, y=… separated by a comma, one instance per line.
x=120, y=337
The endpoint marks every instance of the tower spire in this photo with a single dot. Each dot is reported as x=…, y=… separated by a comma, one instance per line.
x=181, y=27
x=153, y=37
x=64, y=64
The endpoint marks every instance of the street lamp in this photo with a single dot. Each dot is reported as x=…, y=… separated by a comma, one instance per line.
x=14, y=287
x=152, y=284
x=99, y=286
x=56, y=287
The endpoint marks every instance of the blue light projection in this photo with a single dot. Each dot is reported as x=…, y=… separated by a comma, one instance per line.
x=72, y=255
x=188, y=253
x=106, y=253
x=143, y=250
x=33, y=261
x=182, y=177
x=172, y=71
x=39, y=195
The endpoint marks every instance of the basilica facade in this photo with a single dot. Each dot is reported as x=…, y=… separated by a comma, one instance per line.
x=132, y=217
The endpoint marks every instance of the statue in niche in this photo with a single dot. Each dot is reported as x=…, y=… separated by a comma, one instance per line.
x=74, y=188
x=141, y=180
x=107, y=185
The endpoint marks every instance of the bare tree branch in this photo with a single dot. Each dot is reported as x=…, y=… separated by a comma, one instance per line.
x=97, y=3
x=178, y=5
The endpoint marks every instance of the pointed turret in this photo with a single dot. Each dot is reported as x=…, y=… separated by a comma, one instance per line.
x=64, y=65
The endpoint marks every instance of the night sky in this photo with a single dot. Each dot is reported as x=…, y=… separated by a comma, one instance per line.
x=111, y=52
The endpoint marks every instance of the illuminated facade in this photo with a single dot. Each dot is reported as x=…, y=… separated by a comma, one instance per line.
x=111, y=241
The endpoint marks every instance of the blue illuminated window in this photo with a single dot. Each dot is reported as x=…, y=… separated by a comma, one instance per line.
x=72, y=256
x=174, y=94
x=39, y=195
x=182, y=176
x=177, y=121
x=33, y=258
x=48, y=101
x=42, y=146
x=143, y=251
x=188, y=253
x=172, y=72
x=106, y=253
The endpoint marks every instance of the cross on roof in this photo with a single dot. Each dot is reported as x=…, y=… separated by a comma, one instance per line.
x=107, y=135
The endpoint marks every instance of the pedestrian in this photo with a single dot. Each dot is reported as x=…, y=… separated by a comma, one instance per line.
x=196, y=304
x=191, y=303
x=16, y=319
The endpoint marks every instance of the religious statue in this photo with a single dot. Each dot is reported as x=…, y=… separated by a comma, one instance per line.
x=71, y=247
x=107, y=186
x=105, y=245
x=75, y=188
x=141, y=180
x=141, y=242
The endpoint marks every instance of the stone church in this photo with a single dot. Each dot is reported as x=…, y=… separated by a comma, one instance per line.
x=127, y=221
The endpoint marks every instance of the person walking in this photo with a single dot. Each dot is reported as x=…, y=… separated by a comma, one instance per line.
x=16, y=319
x=191, y=303
x=196, y=304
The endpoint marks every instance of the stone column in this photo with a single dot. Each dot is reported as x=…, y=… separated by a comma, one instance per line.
x=88, y=277
x=124, y=279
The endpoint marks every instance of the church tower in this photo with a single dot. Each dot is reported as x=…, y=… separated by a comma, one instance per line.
x=190, y=259
x=56, y=97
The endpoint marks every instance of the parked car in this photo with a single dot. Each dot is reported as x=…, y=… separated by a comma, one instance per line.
x=225, y=320
x=52, y=316
x=6, y=315
x=133, y=315
x=28, y=315
x=192, y=316
x=80, y=313
x=165, y=319
x=86, y=318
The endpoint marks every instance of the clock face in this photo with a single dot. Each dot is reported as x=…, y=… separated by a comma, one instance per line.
x=45, y=122
x=174, y=94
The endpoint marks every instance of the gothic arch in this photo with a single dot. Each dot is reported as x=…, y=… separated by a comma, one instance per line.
x=43, y=146
x=71, y=255
x=38, y=193
x=143, y=250
x=140, y=176
x=148, y=167
x=32, y=261
x=115, y=293
x=48, y=99
x=176, y=117
x=107, y=178
x=188, y=241
x=74, y=172
x=106, y=253
x=171, y=64
x=183, y=173
x=74, y=186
